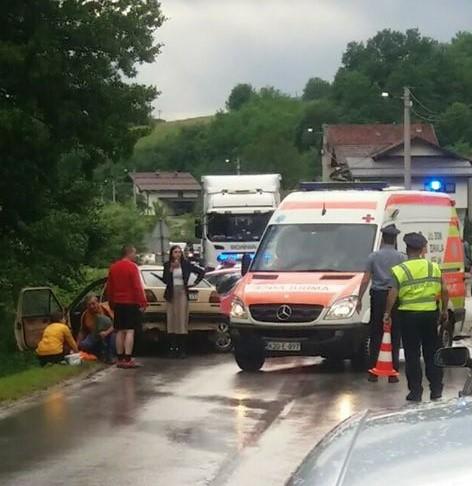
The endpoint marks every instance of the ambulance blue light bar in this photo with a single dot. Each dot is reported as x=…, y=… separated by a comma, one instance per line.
x=438, y=185
x=230, y=256
x=343, y=186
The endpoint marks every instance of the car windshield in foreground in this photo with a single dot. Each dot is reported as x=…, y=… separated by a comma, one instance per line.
x=332, y=247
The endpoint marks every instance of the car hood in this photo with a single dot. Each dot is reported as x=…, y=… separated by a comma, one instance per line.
x=429, y=444
x=321, y=288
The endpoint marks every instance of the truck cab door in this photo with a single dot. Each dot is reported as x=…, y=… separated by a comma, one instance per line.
x=35, y=306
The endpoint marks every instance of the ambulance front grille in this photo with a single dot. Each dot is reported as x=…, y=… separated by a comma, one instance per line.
x=281, y=313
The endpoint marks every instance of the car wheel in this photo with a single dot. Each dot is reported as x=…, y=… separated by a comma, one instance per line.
x=360, y=359
x=446, y=332
x=222, y=338
x=249, y=354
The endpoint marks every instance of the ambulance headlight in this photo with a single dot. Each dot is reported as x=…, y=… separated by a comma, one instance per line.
x=238, y=309
x=342, y=309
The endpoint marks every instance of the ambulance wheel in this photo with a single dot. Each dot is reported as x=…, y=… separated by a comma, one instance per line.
x=360, y=359
x=249, y=353
x=446, y=332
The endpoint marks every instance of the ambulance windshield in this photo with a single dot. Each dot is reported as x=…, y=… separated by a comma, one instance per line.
x=315, y=248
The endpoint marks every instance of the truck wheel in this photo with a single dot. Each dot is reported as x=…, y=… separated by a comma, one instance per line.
x=249, y=354
x=360, y=359
x=222, y=338
x=446, y=332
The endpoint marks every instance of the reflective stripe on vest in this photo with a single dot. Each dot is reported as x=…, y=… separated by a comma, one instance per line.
x=419, y=287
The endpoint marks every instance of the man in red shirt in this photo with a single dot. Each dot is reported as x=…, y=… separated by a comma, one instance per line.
x=128, y=301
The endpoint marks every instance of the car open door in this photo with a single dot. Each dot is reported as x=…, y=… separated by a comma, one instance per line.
x=35, y=306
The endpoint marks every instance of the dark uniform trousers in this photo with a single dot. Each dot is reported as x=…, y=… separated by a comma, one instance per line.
x=378, y=303
x=419, y=330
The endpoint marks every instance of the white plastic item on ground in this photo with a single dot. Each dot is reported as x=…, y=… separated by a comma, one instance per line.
x=73, y=359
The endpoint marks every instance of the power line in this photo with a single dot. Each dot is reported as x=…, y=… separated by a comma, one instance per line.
x=427, y=118
x=432, y=112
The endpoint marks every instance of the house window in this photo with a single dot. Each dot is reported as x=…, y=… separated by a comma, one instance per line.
x=181, y=194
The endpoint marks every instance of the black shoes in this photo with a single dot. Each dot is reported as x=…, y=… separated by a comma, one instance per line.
x=414, y=396
x=436, y=393
x=393, y=379
x=372, y=378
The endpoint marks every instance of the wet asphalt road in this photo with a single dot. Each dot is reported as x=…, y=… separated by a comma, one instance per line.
x=192, y=422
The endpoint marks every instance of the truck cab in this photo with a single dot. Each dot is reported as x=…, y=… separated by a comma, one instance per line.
x=300, y=294
x=236, y=210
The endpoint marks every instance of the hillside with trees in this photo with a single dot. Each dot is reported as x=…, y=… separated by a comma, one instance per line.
x=272, y=131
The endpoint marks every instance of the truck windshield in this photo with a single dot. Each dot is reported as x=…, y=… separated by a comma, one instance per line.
x=237, y=227
x=315, y=248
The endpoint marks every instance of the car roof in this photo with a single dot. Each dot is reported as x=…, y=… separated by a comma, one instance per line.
x=154, y=268
x=413, y=445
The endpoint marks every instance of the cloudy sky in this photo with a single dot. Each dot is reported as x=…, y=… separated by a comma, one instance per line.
x=211, y=45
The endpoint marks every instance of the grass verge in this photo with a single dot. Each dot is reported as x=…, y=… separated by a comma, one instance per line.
x=24, y=383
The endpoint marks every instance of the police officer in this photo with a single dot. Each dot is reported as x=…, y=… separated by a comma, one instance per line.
x=379, y=271
x=422, y=301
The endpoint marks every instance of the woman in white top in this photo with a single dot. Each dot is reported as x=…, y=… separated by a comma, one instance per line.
x=176, y=276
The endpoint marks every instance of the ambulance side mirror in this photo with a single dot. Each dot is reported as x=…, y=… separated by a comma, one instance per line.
x=453, y=358
x=245, y=263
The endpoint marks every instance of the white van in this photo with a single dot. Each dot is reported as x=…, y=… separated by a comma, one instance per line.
x=299, y=296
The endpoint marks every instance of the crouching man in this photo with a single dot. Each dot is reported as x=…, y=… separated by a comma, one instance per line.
x=96, y=333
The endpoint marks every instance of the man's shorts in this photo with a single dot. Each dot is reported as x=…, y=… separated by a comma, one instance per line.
x=127, y=317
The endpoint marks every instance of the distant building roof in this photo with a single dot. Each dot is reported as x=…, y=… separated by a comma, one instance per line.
x=376, y=152
x=165, y=181
x=377, y=134
x=363, y=140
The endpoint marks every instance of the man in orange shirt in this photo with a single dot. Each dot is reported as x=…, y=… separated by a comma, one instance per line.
x=128, y=301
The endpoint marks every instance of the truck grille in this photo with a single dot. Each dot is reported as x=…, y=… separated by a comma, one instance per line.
x=285, y=312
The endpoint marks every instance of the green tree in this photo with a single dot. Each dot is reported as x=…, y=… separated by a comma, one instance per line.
x=455, y=124
x=239, y=95
x=67, y=104
x=315, y=89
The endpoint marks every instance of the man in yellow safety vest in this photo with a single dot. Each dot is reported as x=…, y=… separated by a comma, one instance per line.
x=422, y=302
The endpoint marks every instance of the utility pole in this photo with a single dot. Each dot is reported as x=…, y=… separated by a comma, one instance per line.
x=238, y=166
x=407, y=138
x=113, y=190
x=325, y=156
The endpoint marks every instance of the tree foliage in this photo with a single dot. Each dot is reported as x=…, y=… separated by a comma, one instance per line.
x=239, y=95
x=67, y=104
x=316, y=89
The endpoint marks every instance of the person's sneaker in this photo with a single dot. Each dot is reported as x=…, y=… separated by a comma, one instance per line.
x=121, y=363
x=414, y=397
x=393, y=379
x=132, y=364
x=373, y=378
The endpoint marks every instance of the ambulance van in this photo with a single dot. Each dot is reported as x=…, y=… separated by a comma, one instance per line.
x=299, y=294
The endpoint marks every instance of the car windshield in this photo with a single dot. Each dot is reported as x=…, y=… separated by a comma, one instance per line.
x=315, y=247
x=237, y=227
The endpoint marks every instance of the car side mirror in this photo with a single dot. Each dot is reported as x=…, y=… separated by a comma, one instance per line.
x=453, y=358
x=198, y=229
x=245, y=263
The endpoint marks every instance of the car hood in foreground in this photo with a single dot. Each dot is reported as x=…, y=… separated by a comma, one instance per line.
x=418, y=445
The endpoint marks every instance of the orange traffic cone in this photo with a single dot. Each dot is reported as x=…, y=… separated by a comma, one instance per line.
x=384, y=365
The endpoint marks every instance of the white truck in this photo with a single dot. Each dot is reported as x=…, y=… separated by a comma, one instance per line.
x=236, y=209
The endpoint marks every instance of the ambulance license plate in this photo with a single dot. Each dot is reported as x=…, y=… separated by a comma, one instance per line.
x=283, y=346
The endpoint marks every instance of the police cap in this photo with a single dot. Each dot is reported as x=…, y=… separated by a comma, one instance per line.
x=416, y=241
x=390, y=230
